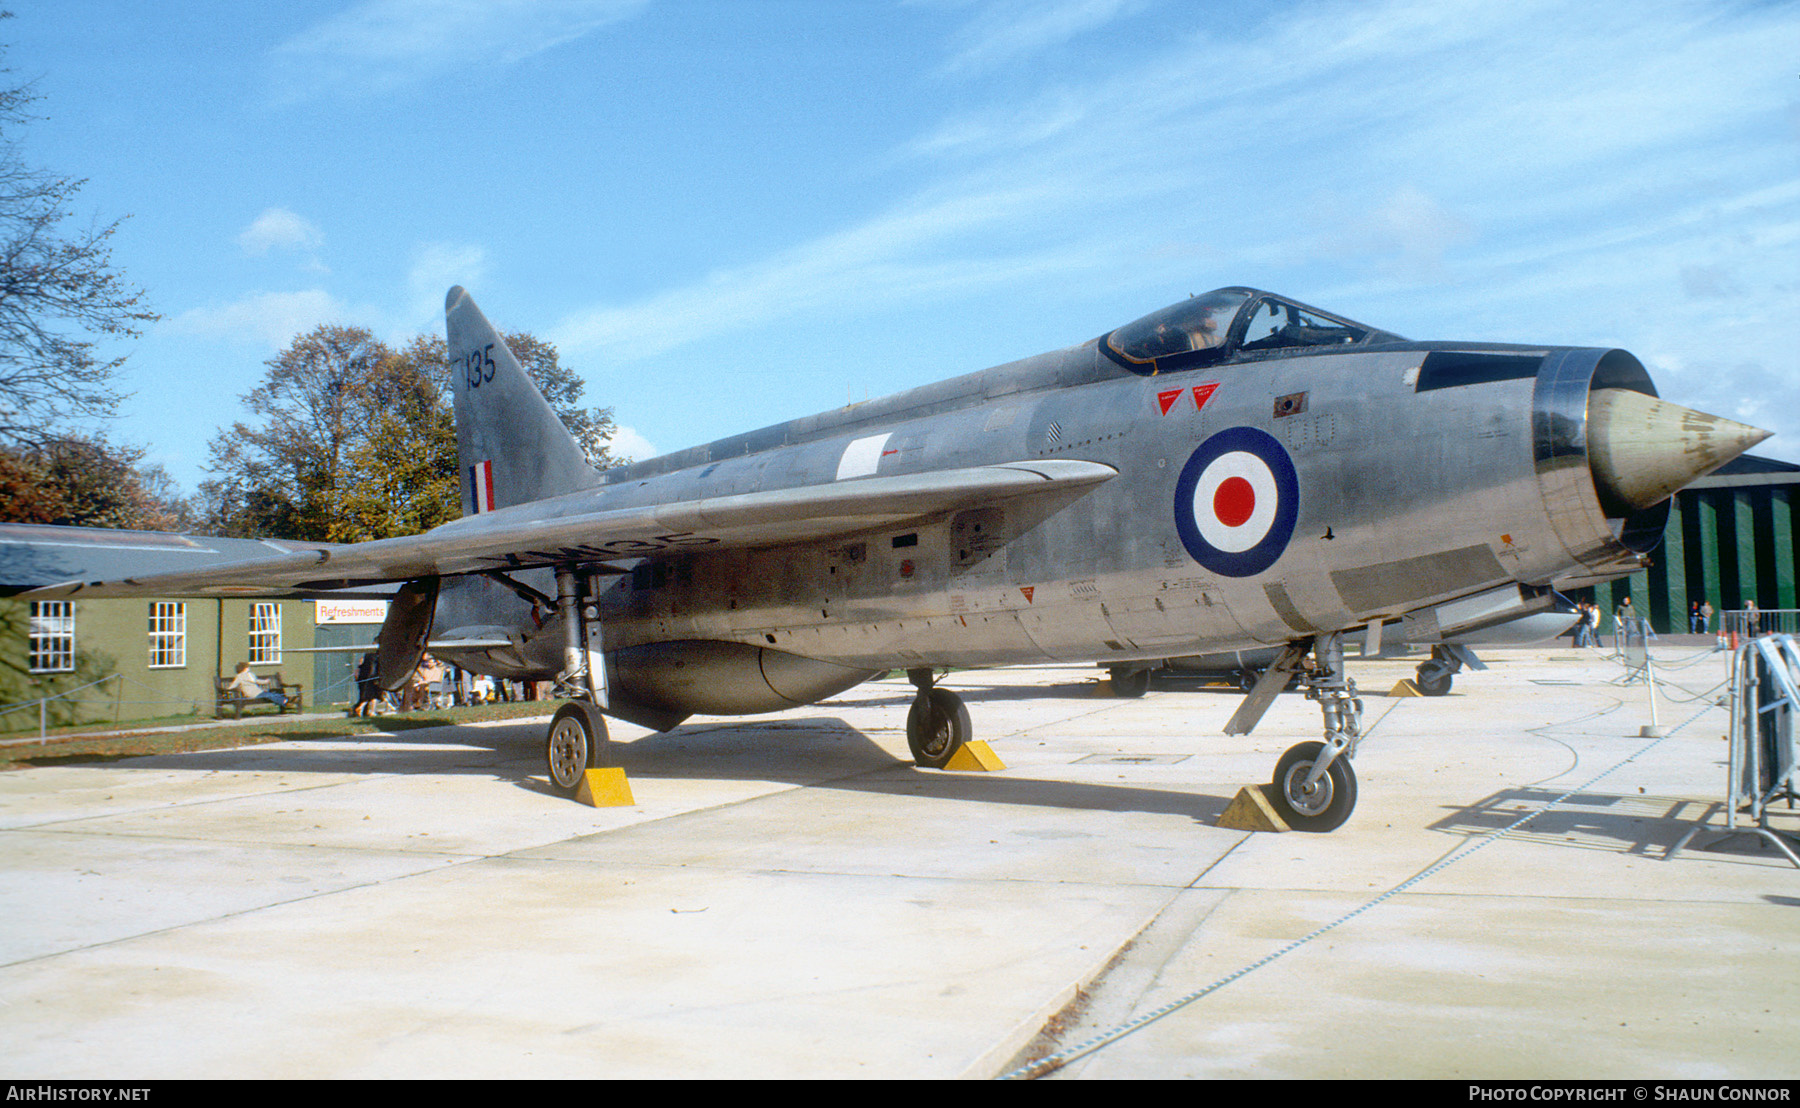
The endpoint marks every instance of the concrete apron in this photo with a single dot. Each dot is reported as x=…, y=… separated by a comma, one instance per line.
x=789, y=897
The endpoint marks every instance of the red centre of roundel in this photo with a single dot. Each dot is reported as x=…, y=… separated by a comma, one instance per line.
x=1234, y=502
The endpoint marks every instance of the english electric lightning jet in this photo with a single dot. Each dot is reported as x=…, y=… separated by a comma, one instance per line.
x=1235, y=471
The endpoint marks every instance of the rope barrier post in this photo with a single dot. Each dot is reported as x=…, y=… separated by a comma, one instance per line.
x=1733, y=766
x=1653, y=731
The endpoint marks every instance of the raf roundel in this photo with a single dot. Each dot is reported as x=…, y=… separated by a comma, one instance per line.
x=1236, y=502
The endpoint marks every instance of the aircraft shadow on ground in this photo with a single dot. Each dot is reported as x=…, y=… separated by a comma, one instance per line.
x=670, y=754
x=819, y=752
x=901, y=697
x=1620, y=823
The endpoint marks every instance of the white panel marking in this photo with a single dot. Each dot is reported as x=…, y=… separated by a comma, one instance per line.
x=862, y=456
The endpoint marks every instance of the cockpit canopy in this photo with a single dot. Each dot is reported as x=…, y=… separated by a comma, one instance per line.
x=1227, y=324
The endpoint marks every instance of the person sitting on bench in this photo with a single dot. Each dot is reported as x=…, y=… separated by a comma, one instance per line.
x=248, y=686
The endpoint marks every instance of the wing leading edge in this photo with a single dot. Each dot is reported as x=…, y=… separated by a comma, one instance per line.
x=514, y=539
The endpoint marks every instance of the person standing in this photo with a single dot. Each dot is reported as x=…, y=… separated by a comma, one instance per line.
x=1706, y=614
x=368, y=692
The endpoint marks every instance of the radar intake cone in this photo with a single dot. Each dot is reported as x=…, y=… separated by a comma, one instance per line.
x=1642, y=450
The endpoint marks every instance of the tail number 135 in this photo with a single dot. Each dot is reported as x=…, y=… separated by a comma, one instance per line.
x=478, y=365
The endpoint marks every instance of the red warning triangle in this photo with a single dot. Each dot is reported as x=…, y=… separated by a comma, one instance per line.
x=1202, y=393
x=1168, y=399
x=1028, y=590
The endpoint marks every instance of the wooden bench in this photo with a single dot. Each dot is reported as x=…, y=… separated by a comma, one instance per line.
x=225, y=699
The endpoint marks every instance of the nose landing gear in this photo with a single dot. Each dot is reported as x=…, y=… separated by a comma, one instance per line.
x=1310, y=798
x=1314, y=788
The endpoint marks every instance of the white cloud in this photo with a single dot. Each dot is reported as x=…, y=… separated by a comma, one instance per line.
x=279, y=229
x=628, y=445
x=1007, y=31
x=380, y=45
x=912, y=253
x=1407, y=234
x=269, y=318
x=1006, y=126
x=1709, y=282
x=274, y=318
x=436, y=266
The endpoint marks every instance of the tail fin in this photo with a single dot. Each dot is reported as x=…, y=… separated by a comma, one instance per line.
x=511, y=447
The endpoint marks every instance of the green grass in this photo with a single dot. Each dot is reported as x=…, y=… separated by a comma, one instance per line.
x=132, y=740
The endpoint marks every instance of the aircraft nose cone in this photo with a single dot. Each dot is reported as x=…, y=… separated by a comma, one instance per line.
x=1642, y=450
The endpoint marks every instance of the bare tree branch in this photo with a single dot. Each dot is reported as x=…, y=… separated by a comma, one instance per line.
x=59, y=296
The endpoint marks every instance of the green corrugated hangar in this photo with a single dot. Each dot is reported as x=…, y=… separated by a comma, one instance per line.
x=1729, y=540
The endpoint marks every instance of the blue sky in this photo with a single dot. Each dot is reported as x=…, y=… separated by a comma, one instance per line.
x=731, y=212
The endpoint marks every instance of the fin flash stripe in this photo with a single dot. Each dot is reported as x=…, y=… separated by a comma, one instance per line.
x=481, y=486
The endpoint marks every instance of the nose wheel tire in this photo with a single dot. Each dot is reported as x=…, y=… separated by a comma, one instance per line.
x=936, y=727
x=1129, y=683
x=1327, y=803
x=577, y=736
x=1434, y=680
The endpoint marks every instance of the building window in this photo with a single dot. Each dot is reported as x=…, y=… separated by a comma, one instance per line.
x=265, y=632
x=52, y=636
x=168, y=634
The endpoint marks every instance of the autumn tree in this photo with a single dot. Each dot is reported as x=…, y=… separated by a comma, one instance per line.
x=59, y=296
x=358, y=440
x=407, y=467
x=287, y=475
x=76, y=481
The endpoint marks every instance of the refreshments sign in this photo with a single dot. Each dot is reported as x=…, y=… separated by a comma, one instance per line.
x=349, y=611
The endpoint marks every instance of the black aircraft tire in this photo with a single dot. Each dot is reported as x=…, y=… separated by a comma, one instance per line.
x=936, y=727
x=1331, y=800
x=1129, y=683
x=572, y=747
x=1434, y=681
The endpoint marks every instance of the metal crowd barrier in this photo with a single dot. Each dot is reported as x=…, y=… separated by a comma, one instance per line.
x=42, y=704
x=1765, y=745
x=1747, y=623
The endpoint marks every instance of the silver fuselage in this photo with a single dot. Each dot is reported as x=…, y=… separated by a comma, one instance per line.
x=1407, y=496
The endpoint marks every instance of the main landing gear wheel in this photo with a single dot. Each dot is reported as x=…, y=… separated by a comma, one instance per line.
x=936, y=727
x=577, y=736
x=1129, y=683
x=1323, y=806
x=1434, y=680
